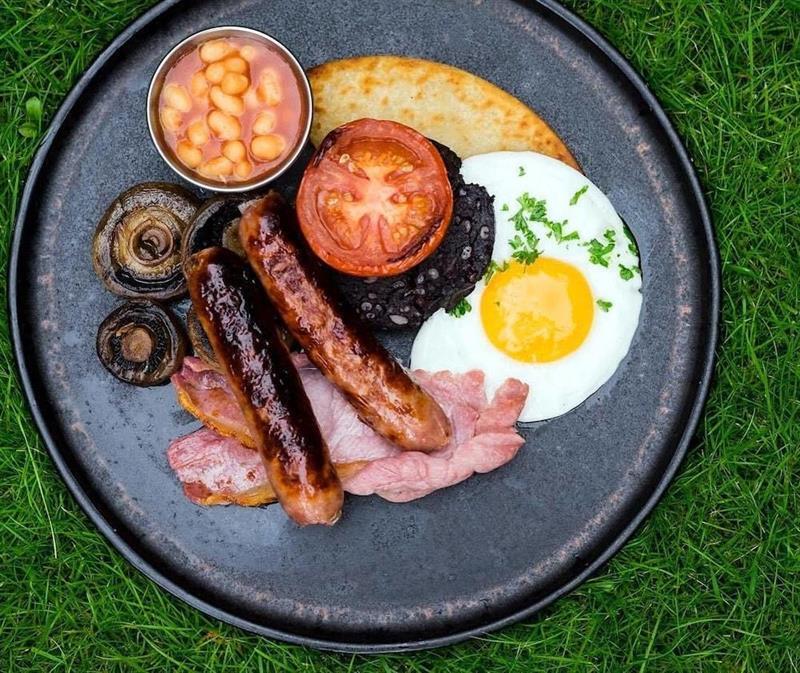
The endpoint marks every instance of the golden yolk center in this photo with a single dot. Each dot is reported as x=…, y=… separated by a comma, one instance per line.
x=538, y=312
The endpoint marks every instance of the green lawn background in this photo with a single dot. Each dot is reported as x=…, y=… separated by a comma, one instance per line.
x=710, y=583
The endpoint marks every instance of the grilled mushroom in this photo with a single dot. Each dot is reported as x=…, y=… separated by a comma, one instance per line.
x=215, y=224
x=141, y=343
x=199, y=339
x=137, y=245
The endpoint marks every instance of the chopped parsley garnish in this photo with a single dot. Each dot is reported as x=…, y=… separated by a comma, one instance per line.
x=461, y=308
x=604, y=305
x=610, y=235
x=525, y=256
x=494, y=268
x=598, y=253
x=625, y=273
x=521, y=171
x=578, y=195
x=535, y=210
x=524, y=246
x=522, y=227
x=557, y=230
x=631, y=241
x=504, y=207
x=525, y=242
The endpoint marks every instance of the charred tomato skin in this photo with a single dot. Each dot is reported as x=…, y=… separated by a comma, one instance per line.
x=136, y=250
x=141, y=342
x=375, y=199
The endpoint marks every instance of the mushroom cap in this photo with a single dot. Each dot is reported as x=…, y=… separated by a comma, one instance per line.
x=137, y=244
x=141, y=342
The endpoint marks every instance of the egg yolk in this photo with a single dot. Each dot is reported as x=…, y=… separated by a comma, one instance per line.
x=538, y=312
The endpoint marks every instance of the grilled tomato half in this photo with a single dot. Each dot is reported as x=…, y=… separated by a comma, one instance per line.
x=375, y=199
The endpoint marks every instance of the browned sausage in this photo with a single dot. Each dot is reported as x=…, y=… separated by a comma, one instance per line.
x=241, y=327
x=348, y=354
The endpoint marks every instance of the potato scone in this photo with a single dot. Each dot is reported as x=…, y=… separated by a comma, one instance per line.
x=452, y=106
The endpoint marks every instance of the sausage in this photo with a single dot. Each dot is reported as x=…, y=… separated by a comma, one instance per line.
x=348, y=354
x=241, y=327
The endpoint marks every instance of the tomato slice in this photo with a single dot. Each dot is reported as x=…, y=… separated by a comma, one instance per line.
x=375, y=199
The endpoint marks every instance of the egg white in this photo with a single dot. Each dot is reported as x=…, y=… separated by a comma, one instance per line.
x=459, y=344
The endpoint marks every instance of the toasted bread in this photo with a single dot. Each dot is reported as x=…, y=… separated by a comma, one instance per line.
x=452, y=106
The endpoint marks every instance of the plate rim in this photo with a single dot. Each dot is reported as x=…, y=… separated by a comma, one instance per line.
x=149, y=569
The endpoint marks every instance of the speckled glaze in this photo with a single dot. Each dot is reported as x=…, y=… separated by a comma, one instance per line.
x=464, y=560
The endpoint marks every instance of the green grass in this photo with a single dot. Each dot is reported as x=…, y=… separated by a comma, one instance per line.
x=710, y=583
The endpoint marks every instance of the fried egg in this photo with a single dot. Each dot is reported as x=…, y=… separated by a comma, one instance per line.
x=559, y=305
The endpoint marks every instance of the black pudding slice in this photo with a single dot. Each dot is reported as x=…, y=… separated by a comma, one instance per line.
x=441, y=280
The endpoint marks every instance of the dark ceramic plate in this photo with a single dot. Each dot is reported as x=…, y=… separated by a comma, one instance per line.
x=462, y=561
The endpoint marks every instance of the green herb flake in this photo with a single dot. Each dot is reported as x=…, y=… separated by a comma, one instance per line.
x=494, y=268
x=532, y=210
x=598, y=253
x=604, y=305
x=531, y=240
x=625, y=273
x=610, y=235
x=577, y=195
x=521, y=171
x=504, y=207
x=525, y=242
x=526, y=256
x=461, y=308
x=557, y=230
x=631, y=241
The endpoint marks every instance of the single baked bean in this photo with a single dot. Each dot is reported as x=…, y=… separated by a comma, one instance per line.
x=199, y=84
x=215, y=72
x=176, y=96
x=236, y=64
x=269, y=88
x=267, y=147
x=234, y=150
x=189, y=154
x=232, y=105
x=215, y=50
x=218, y=166
x=197, y=133
x=234, y=84
x=171, y=119
x=243, y=169
x=224, y=126
x=264, y=123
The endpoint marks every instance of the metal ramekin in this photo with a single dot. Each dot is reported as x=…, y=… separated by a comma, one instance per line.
x=154, y=93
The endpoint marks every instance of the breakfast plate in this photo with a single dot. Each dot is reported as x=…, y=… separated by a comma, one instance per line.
x=589, y=464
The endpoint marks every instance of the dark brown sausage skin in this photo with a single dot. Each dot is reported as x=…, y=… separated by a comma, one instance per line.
x=347, y=353
x=241, y=327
